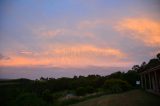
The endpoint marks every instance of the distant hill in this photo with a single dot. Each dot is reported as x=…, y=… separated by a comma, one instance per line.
x=13, y=81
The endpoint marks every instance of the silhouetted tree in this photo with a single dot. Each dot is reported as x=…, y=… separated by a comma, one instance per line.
x=158, y=56
x=136, y=68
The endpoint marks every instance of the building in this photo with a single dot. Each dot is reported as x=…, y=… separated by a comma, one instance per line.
x=150, y=79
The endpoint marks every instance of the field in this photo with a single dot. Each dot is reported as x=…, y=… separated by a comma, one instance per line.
x=130, y=98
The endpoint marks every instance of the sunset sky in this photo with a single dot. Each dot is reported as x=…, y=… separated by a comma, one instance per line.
x=44, y=34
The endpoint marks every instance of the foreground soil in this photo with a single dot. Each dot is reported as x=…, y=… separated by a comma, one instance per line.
x=130, y=98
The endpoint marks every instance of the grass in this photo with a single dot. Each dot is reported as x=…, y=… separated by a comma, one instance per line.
x=131, y=98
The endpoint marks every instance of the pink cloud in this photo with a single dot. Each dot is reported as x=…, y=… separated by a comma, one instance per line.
x=142, y=29
x=90, y=24
x=62, y=55
x=52, y=33
x=26, y=52
x=83, y=28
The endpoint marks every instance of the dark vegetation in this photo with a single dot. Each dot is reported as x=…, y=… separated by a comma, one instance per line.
x=64, y=91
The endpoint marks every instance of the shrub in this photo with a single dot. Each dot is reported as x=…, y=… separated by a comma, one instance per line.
x=89, y=89
x=46, y=95
x=116, y=85
x=28, y=99
x=81, y=91
x=69, y=101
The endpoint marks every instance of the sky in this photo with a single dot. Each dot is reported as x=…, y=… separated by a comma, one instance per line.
x=39, y=36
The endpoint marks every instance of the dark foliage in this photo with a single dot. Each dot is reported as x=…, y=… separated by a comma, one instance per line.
x=116, y=85
x=45, y=89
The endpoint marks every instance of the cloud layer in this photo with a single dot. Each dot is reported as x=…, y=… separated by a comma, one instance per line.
x=78, y=33
x=142, y=29
x=77, y=55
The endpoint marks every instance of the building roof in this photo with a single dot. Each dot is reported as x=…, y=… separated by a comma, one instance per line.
x=151, y=69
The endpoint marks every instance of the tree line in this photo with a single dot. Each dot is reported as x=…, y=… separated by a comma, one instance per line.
x=48, y=91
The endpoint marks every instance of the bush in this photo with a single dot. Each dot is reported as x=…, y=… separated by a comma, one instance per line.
x=28, y=99
x=46, y=94
x=116, y=85
x=89, y=89
x=81, y=91
x=69, y=101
